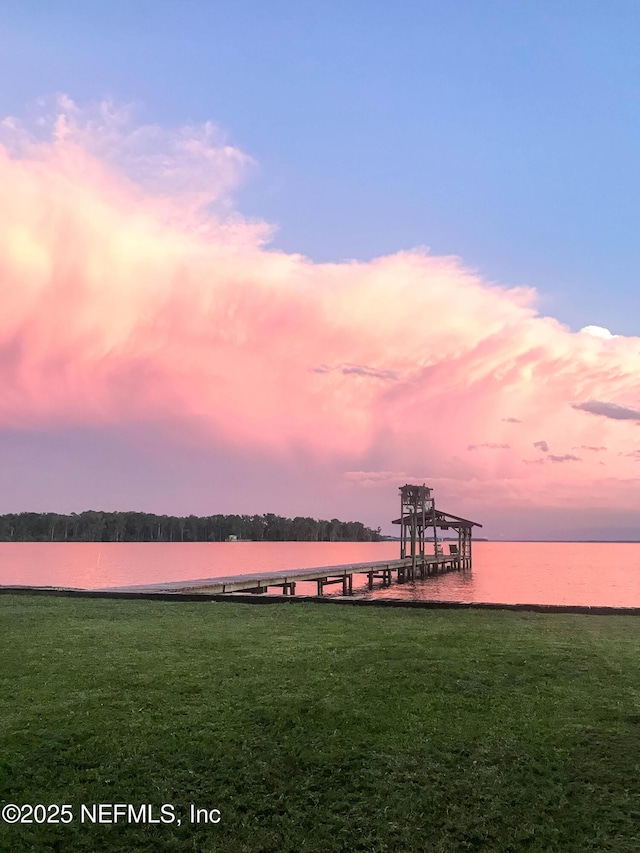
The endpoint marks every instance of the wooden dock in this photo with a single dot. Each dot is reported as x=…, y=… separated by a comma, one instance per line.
x=386, y=571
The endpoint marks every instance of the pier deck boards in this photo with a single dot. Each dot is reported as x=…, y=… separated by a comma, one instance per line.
x=259, y=582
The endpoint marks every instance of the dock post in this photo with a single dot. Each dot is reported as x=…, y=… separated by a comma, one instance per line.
x=414, y=532
x=434, y=522
x=403, y=529
x=345, y=584
x=320, y=587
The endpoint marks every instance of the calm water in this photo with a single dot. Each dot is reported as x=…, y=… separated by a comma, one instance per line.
x=507, y=572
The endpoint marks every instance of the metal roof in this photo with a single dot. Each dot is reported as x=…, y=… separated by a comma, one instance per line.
x=443, y=520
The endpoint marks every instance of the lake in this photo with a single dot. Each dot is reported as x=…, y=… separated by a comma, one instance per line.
x=606, y=574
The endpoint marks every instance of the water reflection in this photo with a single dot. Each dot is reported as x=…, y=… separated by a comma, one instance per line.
x=590, y=574
x=91, y=565
x=606, y=574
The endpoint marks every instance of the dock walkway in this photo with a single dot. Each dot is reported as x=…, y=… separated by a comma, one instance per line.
x=405, y=569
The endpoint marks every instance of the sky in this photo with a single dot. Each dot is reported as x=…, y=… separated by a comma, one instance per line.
x=285, y=257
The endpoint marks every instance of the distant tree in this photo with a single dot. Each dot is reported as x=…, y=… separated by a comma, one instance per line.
x=98, y=526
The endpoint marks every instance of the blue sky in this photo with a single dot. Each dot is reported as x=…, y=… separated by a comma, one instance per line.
x=504, y=133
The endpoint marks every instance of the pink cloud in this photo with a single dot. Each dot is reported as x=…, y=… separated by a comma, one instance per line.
x=126, y=301
x=194, y=163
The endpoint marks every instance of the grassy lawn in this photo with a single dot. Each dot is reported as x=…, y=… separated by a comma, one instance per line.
x=320, y=728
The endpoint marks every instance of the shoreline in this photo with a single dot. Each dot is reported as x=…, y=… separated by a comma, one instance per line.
x=354, y=601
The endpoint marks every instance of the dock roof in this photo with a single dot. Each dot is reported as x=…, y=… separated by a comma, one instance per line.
x=444, y=520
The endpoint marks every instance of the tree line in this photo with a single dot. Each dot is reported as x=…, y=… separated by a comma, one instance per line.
x=93, y=526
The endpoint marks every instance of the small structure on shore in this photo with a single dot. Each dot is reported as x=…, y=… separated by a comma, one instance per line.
x=418, y=514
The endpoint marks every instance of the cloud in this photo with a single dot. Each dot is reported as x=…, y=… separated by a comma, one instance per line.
x=597, y=332
x=194, y=163
x=567, y=457
x=608, y=410
x=357, y=370
x=136, y=299
x=590, y=447
x=364, y=370
x=541, y=445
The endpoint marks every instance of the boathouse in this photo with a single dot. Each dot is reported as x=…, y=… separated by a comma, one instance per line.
x=418, y=516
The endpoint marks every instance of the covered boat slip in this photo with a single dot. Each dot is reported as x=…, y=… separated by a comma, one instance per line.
x=418, y=515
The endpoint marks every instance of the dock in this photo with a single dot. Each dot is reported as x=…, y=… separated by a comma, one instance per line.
x=386, y=571
x=418, y=514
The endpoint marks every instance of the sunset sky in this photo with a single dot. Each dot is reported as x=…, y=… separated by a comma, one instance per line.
x=287, y=256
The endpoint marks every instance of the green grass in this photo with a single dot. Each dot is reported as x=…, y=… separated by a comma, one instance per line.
x=321, y=728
